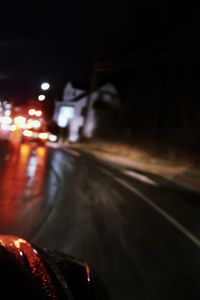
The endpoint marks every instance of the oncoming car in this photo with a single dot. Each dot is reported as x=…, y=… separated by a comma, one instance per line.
x=34, y=135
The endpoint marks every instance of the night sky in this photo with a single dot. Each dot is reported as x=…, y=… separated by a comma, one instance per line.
x=57, y=42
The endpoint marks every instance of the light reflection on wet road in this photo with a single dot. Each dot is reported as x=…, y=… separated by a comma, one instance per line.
x=22, y=179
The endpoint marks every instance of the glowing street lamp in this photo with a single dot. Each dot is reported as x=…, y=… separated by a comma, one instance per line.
x=41, y=97
x=45, y=86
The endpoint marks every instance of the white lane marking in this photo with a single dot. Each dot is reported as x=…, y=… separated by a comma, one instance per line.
x=164, y=214
x=139, y=177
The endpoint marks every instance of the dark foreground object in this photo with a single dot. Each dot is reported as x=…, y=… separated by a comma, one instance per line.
x=31, y=273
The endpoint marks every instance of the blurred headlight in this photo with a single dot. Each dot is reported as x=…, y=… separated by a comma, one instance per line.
x=6, y=120
x=52, y=138
x=28, y=133
x=43, y=135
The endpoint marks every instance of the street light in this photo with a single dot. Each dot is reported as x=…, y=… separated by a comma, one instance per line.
x=41, y=97
x=45, y=86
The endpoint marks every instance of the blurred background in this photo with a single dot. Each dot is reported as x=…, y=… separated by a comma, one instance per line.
x=100, y=139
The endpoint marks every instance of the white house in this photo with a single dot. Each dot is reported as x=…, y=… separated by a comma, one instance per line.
x=72, y=110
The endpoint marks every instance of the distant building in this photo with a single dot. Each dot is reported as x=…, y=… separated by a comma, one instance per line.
x=71, y=111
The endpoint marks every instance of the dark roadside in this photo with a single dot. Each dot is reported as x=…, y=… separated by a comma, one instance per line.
x=181, y=172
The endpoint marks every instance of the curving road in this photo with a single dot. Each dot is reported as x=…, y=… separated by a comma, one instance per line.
x=140, y=232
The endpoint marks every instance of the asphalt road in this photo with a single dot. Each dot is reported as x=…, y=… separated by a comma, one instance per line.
x=140, y=232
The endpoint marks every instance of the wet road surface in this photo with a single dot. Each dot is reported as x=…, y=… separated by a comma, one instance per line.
x=26, y=183
x=140, y=232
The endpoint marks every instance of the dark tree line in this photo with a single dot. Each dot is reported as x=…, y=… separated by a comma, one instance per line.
x=161, y=101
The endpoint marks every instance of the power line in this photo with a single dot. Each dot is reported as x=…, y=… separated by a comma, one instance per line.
x=119, y=65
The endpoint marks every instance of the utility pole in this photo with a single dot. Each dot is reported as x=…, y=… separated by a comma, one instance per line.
x=93, y=82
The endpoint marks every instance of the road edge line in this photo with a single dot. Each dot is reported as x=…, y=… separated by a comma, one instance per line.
x=159, y=210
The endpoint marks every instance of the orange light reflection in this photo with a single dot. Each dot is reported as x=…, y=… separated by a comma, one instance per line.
x=22, y=180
